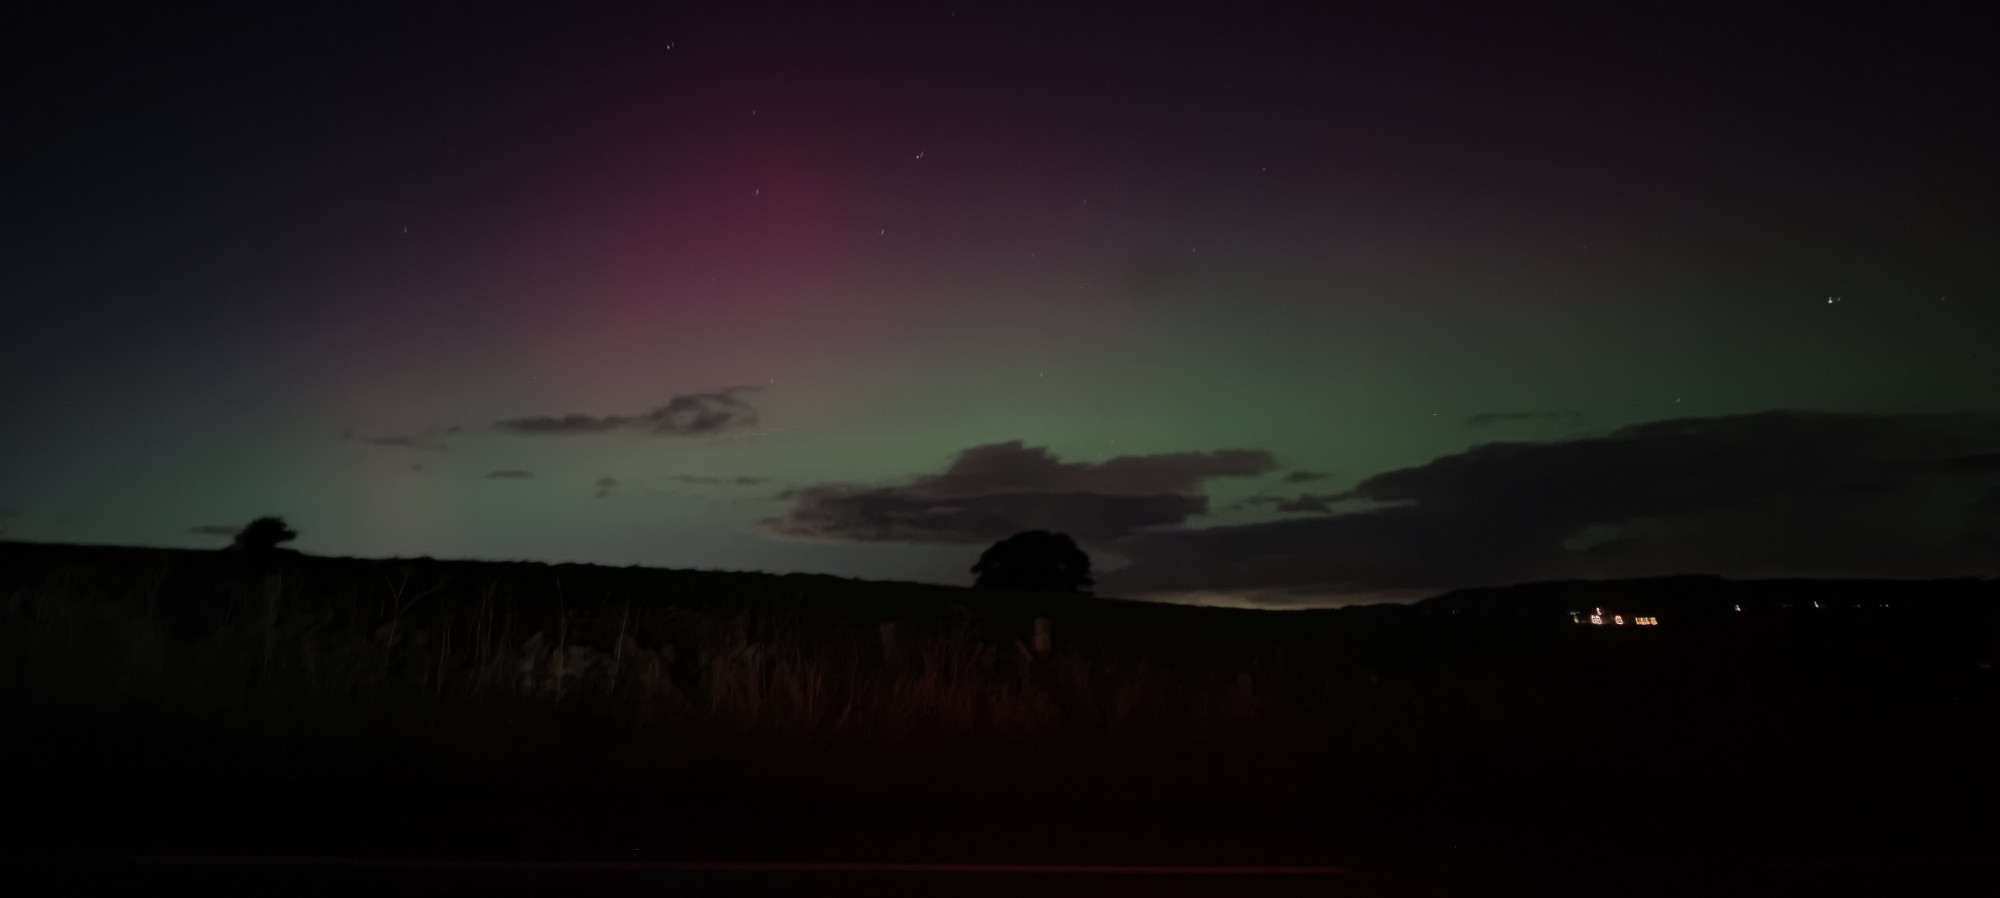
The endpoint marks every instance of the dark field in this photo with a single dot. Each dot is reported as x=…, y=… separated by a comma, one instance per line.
x=207, y=704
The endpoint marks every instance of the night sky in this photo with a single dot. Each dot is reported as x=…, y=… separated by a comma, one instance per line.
x=1263, y=306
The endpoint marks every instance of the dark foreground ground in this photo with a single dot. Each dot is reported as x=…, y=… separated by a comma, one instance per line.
x=176, y=722
x=918, y=850
x=1492, y=824
x=1469, y=875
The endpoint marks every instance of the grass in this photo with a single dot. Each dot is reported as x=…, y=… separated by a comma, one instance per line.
x=468, y=679
x=171, y=679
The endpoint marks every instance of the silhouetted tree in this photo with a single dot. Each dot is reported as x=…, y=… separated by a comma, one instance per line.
x=1036, y=561
x=263, y=535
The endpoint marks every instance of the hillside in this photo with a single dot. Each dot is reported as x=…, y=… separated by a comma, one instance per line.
x=186, y=691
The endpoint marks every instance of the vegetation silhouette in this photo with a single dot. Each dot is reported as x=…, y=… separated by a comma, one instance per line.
x=1036, y=561
x=263, y=535
x=1786, y=718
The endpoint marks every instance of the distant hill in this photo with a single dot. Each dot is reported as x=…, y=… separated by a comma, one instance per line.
x=188, y=582
x=1684, y=600
x=197, y=585
x=1871, y=702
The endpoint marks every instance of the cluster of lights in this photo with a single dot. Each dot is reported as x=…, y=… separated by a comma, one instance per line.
x=1598, y=619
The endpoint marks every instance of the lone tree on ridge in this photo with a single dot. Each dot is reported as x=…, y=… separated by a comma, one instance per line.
x=263, y=535
x=1036, y=561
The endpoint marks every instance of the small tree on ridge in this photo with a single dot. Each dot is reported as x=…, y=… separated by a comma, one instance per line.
x=1036, y=561
x=263, y=535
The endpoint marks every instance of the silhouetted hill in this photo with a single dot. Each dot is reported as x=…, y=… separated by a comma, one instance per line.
x=1709, y=599
x=188, y=585
x=1822, y=715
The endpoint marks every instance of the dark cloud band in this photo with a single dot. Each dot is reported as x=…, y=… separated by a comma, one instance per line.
x=1773, y=494
x=689, y=414
x=993, y=491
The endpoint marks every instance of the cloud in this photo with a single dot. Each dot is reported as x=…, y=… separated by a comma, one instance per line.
x=699, y=480
x=605, y=485
x=564, y=424
x=509, y=474
x=1488, y=419
x=1015, y=467
x=994, y=491
x=1304, y=476
x=689, y=414
x=1772, y=494
x=428, y=441
x=1306, y=502
x=1303, y=502
x=892, y=515
x=223, y=530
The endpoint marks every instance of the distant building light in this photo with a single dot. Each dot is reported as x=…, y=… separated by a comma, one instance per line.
x=1648, y=621
x=1597, y=619
x=1739, y=607
x=1618, y=619
x=1575, y=617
